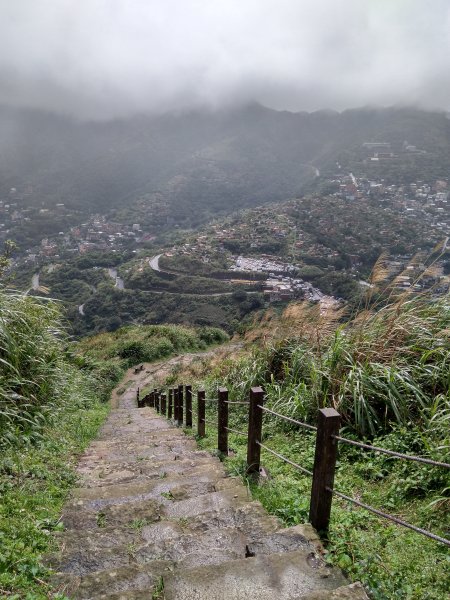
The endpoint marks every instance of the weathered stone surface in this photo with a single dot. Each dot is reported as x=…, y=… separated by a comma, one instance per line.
x=128, y=577
x=78, y=517
x=280, y=576
x=119, y=494
x=355, y=591
x=102, y=475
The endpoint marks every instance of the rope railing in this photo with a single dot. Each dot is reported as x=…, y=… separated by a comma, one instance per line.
x=326, y=445
x=390, y=517
x=284, y=459
x=419, y=459
x=290, y=419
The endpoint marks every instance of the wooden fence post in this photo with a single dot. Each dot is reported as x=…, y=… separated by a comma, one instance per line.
x=157, y=399
x=180, y=405
x=175, y=404
x=254, y=430
x=201, y=413
x=188, y=392
x=137, y=398
x=170, y=404
x=324, y=468
x=222, y=421
x=163, y=404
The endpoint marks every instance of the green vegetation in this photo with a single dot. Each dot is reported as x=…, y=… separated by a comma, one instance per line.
x=111, y=308
x=50, y=408
x=387, y=373
x=134, y=344
x=147, y=279
x=39, y=375
x=35, y=479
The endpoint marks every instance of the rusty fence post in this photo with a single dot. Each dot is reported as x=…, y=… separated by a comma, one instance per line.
x=201, y=413
x=137, y=398
x=170, y=404
x=163, y=404
x=222, y=421
x=325, y=457
x=188, y=393
x=180, y=405
x=254, y=430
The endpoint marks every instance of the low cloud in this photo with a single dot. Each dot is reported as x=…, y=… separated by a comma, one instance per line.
x=108, y=58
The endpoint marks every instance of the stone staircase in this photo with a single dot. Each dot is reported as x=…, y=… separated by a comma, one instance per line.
x=156, y=518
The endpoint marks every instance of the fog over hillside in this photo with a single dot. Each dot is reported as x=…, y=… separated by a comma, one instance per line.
x=199, y=163
x=102, y=59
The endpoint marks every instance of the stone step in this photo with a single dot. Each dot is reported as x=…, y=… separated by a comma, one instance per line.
x=217, y=501
x=151, y=422
x=251, y=519
x=354, y=591
x=187, y=550
x=123, y=432
x=137, y=441
x=134, y=578
x=180, y=486
x=141, y=453
x=136, y=451
x=197, y=567
x=184, y=547
x=139, y=471
x=93, y=514
x=151, y=434
x=284, y=576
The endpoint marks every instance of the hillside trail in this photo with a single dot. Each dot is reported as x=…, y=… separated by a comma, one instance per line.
x=156, y=518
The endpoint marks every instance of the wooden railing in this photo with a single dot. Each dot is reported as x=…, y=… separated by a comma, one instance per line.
x=180, y=408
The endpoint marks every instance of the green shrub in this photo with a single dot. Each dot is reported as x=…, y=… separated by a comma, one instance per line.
x=213, y=335
x=162, y=347
x=134, y=351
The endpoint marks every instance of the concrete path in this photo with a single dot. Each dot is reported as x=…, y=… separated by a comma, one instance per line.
x=156, y=518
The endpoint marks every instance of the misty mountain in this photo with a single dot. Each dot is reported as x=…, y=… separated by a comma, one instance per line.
x=191, y=166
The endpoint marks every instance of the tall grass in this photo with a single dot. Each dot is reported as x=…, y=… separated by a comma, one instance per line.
x=37, y=375
x=382, y=367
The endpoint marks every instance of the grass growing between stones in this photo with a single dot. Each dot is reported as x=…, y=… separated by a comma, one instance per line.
x=34, y=483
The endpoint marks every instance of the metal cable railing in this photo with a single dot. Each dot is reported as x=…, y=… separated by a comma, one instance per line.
x=284, y=459
x=231, y=430
x=396, y=520
x=419, y=459
x=236, y=402
x=327, y=434
x=290, y=419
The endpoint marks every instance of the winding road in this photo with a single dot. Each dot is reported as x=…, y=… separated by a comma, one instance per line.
x=154, y=262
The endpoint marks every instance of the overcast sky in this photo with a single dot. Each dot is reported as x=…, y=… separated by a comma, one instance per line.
x=105, y=58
